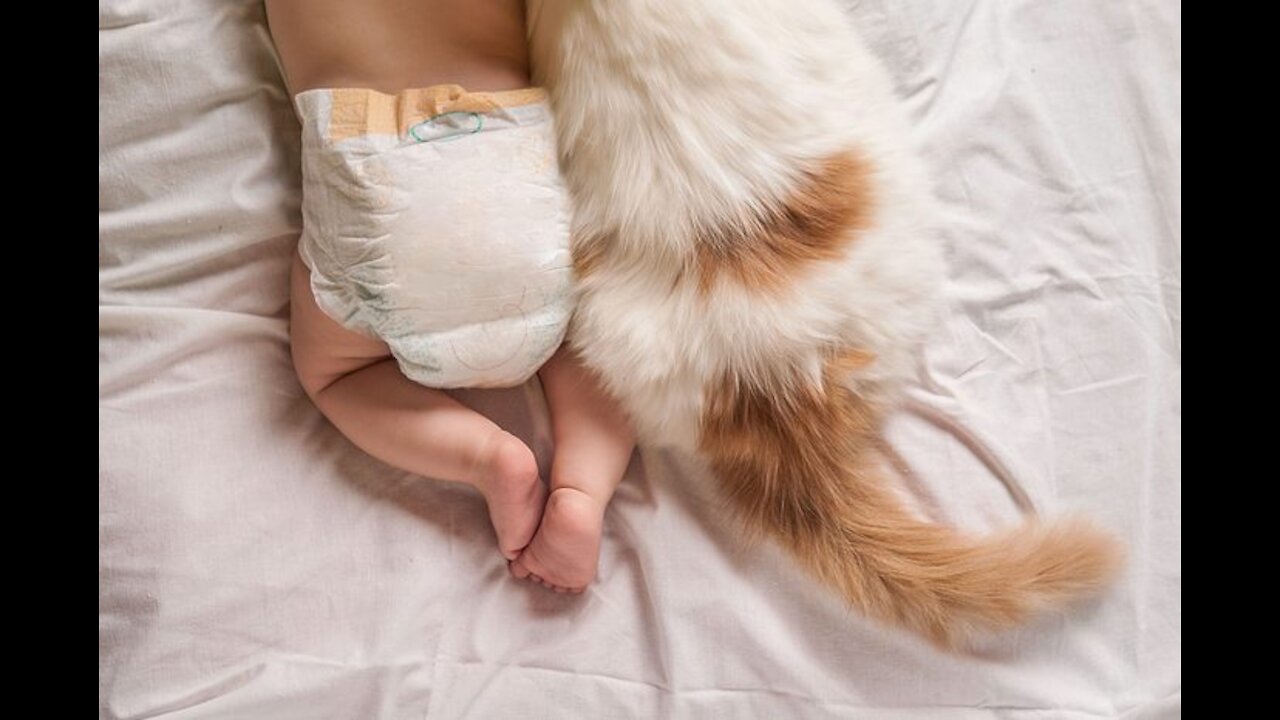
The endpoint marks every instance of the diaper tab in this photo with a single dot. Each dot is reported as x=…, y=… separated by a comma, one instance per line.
x=419, y=114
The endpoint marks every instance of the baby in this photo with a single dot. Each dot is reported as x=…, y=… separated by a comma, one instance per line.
x=421, y=200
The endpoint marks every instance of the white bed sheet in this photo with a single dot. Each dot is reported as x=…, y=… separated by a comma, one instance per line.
x=252, y=564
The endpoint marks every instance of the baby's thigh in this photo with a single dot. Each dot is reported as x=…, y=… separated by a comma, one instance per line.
x=324, y=351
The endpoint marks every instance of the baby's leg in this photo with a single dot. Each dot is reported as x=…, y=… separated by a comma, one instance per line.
x=593, y=444
x=356, y=384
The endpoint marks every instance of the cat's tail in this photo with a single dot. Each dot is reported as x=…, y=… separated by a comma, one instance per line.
x=794, y=461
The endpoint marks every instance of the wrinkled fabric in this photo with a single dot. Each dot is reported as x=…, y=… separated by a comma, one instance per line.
x=253, y=564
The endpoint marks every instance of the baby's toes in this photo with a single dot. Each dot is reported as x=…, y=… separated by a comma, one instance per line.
x=566, y=548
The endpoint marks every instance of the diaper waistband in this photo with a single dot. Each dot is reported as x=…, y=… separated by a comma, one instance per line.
x=345, y=113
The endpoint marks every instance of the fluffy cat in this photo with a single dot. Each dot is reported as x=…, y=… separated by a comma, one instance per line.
x=757, y=266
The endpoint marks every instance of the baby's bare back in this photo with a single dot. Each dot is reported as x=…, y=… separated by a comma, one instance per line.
x=390, y=45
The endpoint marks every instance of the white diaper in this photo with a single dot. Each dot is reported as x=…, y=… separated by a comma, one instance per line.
x=436, y=221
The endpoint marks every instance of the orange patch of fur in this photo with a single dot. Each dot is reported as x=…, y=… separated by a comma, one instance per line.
x=851, y=360
x=816, y=222
x=796, y=462
x=587, y=253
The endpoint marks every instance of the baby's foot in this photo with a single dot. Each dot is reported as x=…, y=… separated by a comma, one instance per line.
x=563, y=554
x=507, y=476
